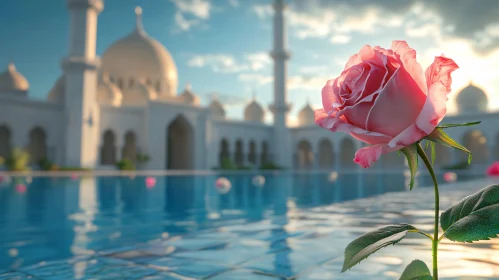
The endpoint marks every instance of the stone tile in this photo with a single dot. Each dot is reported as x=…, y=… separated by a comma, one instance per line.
x=195, y=244
x=15, y=276
x=229, y=256
x=189, y=267
x=243, y=274
x=165, y=276
x=98, y=268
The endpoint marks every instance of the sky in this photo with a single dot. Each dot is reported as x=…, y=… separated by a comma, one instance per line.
x=221, y=46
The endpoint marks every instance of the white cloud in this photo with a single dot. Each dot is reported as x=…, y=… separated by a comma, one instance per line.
x=224, y=63
x=340, y=39
x=255, y=78
x=198, y=10
x=262, y=11
x=234, y=3
x=315, y=82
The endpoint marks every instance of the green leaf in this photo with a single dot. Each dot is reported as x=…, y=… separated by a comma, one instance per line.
x=439, y=136
x=433, y=153
x=411, y=153
x=416, y=270
x=371, y=242
x=457, y=124
x=474, y=218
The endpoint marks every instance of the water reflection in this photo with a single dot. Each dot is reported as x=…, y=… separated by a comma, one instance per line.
x=61, y=217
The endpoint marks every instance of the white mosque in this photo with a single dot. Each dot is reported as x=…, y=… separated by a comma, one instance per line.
x=104, y=109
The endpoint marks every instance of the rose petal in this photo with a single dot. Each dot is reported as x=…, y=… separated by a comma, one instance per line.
x=372, y=139
x=410, y=135
x=339, y=124
x=328, y=96
x=366, y=156
x=439, y=81
x=408, y=59
x=397, y=106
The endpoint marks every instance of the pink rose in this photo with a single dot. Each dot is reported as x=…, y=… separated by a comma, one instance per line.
x=493, y=169
x=383, y=98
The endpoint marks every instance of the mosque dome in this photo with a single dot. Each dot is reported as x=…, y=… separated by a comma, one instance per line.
x=254, y=112
x=306, y=115
x=138, y=95
x=13, y=81
x=217, y=110
x=140, y=58
x=471, y=99
x=56, y=94
x=108, y=92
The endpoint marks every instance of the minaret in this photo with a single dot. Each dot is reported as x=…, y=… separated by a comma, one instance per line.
x=81, y=131
x=281, y=140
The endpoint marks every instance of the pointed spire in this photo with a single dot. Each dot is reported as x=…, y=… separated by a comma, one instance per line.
x=253, y=94
x=138, y=17
x=214, y=96
x=11, y=67
x=188, y=86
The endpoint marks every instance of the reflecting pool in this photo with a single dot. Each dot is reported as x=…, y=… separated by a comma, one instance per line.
x=265, y=226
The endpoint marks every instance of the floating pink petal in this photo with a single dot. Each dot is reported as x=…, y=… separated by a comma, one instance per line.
x=150, y=182
x=493, y=169
x=450, y=177
x=21, y=188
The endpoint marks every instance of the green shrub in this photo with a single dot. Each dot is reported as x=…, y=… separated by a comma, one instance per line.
x=125, y=164
x=18, y=160
x=142, y=159
x=2, y=161
x=458, y=166
x=227, y=164
x=47, y=165
x=269, y=166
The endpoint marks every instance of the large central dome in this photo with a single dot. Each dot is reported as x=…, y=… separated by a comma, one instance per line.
x=140, y=58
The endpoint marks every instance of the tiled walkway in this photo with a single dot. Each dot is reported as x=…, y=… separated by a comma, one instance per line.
x=307, y=244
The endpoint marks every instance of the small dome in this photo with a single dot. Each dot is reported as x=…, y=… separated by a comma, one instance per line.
x=13, y=81
x=188, y=96
x=306, y=115
x=138, y=95
x=141, y=57
x=56, y=94
x=471, y=99
x=254, y=112
x=108, y=92
x=217, y=110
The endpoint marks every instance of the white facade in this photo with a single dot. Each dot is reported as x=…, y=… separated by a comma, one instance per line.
x=102, y=110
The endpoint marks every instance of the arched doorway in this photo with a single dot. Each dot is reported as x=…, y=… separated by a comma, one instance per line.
x=305, y=155
x=326, y=154
x=37, y=147
x=239, y=154
x=108, y=149
x=264, y=156
x=180, y=148
x=476, y=143
x=224, y=151
x=252, y=152
x=130, y=149
x=5, y=140
x=347, y=153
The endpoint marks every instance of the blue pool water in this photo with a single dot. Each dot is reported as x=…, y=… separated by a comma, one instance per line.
x=60, y=218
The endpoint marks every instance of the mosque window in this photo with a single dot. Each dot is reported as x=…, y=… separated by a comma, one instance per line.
x=131, y=82
x=120, y=83
x=158, y=86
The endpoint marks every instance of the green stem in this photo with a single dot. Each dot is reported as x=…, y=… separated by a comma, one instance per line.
x=435, y=240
